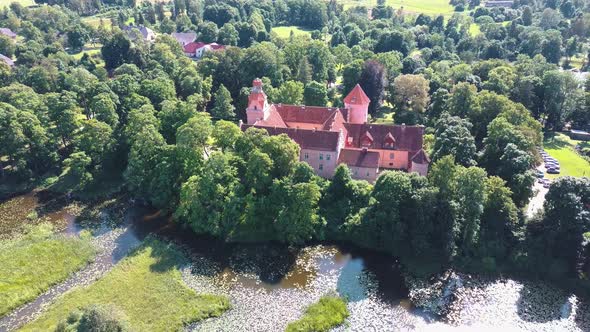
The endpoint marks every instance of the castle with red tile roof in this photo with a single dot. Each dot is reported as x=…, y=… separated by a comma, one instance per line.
x=329, y=136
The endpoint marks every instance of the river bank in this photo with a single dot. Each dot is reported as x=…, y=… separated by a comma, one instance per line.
x=270, y=285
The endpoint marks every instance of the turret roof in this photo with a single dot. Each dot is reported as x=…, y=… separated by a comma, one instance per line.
x=357, y=96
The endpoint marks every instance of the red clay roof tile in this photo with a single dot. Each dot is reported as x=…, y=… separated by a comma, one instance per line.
x=357, y=96
x=359, y=158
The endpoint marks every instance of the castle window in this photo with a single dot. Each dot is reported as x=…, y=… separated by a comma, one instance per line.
x=321, y=167
x=306, y=155
x=391, y=155
x=349, y=140
x=327, y=157
x=321, y=156
x=367, y=173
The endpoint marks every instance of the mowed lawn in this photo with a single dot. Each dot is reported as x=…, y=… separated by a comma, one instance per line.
x=285, y=31
x=430, y=7
x=561, y=147
x=33, y=262
x=147, y=287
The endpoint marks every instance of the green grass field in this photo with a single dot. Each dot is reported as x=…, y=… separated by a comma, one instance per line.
x=431, y=7
x=94, y=21
x=285, y=31
x=147, y=287
x=93, y=51
x=327, y=313
x=561, y=147
x=33, y=262
x=6, y=3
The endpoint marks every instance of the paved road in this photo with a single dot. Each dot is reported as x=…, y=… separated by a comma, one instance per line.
x=537, y=201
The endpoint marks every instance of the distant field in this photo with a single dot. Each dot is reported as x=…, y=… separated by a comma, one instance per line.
x=285, y=32
x=5, y=3
x=94, y=21
x=561, y=147
x=431, y=7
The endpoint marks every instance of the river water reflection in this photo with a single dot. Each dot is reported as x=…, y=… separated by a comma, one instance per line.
x=270, y=285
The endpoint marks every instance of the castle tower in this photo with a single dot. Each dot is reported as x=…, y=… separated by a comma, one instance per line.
x=357, y=104
x=257, y=103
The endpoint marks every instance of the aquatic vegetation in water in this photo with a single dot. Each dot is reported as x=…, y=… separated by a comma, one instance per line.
x=330, y=311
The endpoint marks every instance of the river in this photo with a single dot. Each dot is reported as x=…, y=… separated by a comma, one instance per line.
x=270, y=285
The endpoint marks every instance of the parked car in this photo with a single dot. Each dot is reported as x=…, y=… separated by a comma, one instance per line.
x=546, y=185
x=553, y=171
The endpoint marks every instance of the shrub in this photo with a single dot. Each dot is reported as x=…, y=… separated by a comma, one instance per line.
x=95, y=318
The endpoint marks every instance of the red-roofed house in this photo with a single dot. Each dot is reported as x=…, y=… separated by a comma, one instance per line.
x=329, y=136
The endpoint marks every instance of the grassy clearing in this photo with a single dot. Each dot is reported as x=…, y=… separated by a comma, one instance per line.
x=147, y=287
x=25, y=3
x=431, y=7
x=285, y=31
x=561, y=147
x=384, y=115
x=33, y=262
x=327, y=313
x=94, y=21
x=474, y=29
x=93, y=51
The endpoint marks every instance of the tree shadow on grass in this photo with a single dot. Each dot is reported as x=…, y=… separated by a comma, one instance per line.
x=541, y=303
x=552, y=141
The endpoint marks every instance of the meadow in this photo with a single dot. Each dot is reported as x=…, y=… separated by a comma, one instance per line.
x=285, y=31
x=36, y=260
x=431, y=7
x=147, y=286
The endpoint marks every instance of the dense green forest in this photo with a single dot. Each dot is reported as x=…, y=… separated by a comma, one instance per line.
x=142, y=117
